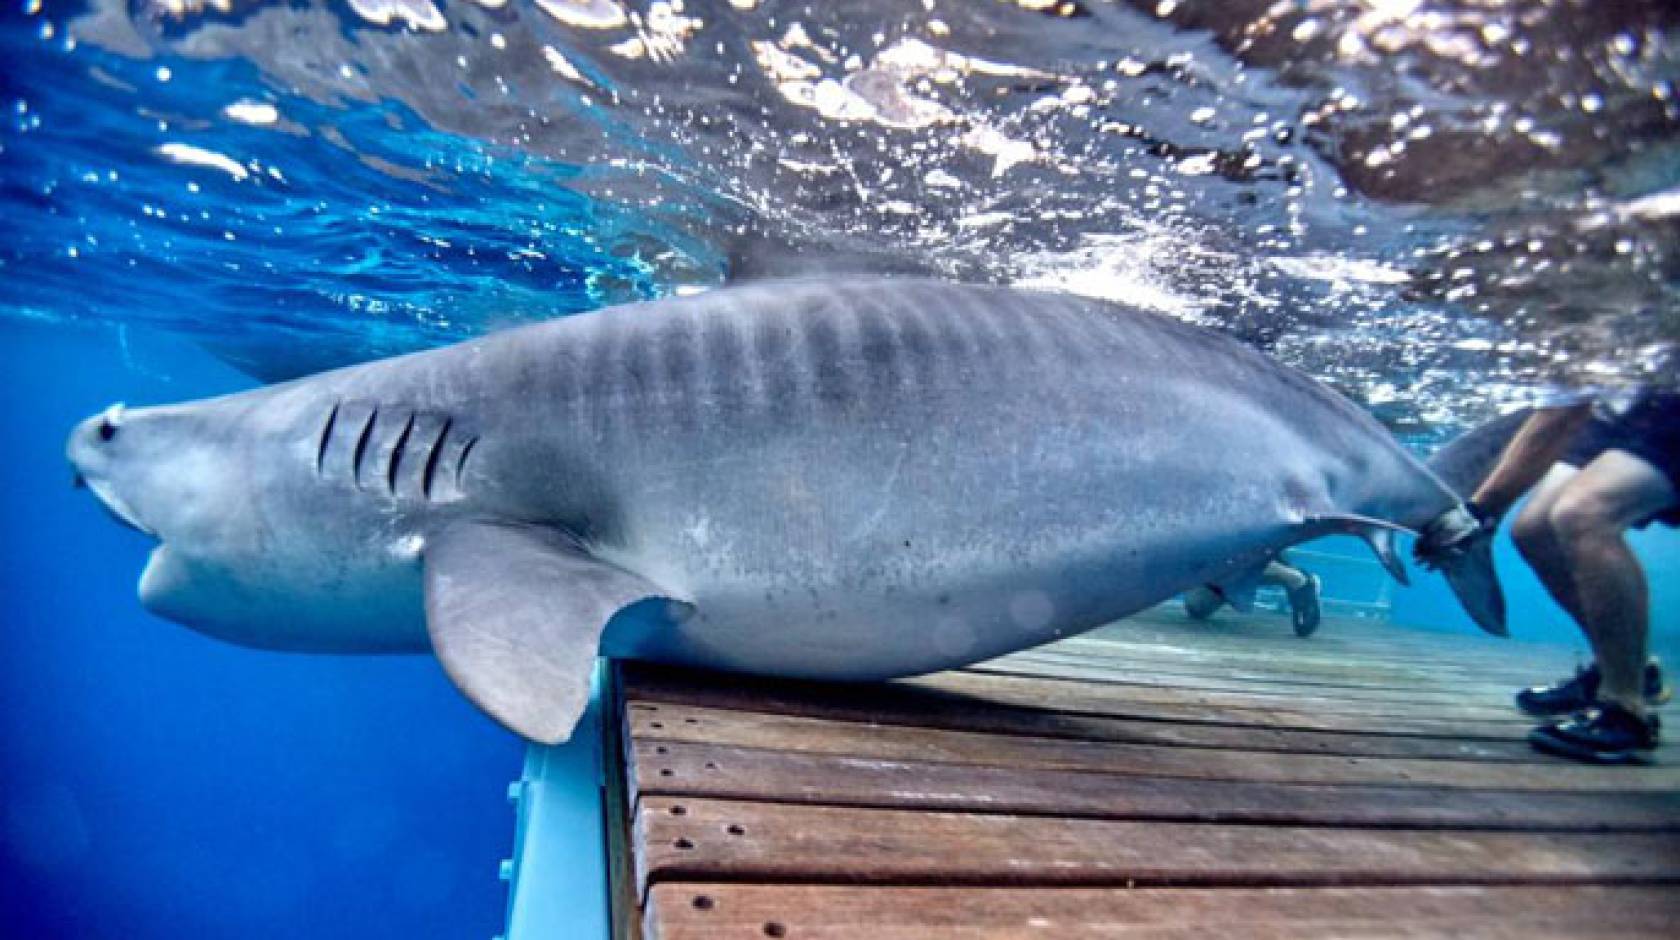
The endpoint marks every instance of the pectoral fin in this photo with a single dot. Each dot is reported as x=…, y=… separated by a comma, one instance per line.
x=515, y=615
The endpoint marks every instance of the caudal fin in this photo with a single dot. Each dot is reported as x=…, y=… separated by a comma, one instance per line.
x=1463, y=464
x=1474, y=581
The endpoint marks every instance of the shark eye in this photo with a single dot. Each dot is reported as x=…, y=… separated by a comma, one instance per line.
x=110, y=421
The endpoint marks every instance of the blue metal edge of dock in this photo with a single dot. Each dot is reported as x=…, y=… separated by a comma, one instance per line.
x=558, y=875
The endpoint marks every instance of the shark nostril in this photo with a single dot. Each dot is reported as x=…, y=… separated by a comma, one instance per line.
x=79, y=482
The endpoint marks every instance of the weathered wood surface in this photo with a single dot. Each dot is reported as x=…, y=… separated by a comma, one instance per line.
x=749, y=774
x=703, y=911
x=899, y=742
x=679, y=837
x=1369, y=782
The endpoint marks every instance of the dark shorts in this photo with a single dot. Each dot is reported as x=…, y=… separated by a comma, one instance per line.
x=1649, y=430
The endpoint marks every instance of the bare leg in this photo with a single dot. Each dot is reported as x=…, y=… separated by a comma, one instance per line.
x=1304, y=611
x=1589, y=518
x=1290, y=577
x=1536, y=539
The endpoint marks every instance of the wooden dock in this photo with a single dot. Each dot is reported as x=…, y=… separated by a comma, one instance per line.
x=1158, y=778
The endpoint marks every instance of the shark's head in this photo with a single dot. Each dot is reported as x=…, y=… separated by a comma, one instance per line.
x=249, y=550
x=158, y=471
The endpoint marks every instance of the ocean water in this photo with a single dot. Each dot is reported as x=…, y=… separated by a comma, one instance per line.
x=1438, y=208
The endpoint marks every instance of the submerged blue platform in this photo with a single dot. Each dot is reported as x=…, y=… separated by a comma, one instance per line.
x=557, y=875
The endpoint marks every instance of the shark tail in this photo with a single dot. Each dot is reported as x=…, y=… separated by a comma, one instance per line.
x=1463, y=464
x=1465, y=461
x=1475, y=582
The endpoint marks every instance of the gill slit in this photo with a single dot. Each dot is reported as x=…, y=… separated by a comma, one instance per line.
x=397, y=455
x=326, y=437
x=361, y=445
x=461, y=461
x=430, y=469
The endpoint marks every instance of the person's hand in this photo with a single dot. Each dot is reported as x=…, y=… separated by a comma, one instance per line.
x=1450, y=534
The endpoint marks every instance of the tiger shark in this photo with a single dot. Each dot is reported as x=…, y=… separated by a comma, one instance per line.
x=849, y=480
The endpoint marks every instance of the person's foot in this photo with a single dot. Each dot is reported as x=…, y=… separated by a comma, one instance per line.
x=1581, y=691
x=1201, y=602
x=1609, y=734
x=1303, y=606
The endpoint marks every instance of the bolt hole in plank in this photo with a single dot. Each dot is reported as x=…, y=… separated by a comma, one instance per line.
x=1081, y=801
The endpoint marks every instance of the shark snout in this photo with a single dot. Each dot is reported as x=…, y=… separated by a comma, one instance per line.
x=91, y=456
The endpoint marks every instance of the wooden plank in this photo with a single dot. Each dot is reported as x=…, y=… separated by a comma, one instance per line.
x=1238, y=679
x=704, y=911
x=1483, y=704
x=1338, y=636
x=1081, y=681
x=666, y=723
x=1096, y=699
x=950, y=693
x=681, y=838
x=1321, y=658
x=1352, y=685
x=750, y=774
x=1434, y=654
x=899, y=706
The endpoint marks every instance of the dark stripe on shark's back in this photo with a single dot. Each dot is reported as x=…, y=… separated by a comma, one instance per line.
x=724, y=383
x=636, y=373
x=678, y=380
x=917, y=339
x=604, y=375
x=821, y=346
x=959, y=345
x=995, y=350
x=778, y=387
x=878, y=348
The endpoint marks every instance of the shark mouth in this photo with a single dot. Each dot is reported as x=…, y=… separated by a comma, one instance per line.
x=119, y=510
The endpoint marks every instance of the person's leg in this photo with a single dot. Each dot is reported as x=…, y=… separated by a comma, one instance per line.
x=1303, y=591
x=1537, y=540
x=1609, y=594
x=1288, y=576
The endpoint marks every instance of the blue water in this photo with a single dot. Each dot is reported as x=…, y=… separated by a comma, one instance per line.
x=1436, y=215
x=157, y=783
